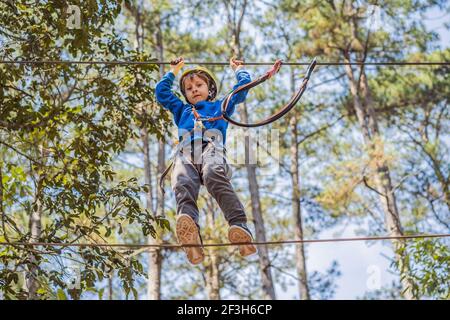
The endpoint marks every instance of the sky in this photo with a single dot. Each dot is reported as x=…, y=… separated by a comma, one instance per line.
x=435, y=21
x=363, y=266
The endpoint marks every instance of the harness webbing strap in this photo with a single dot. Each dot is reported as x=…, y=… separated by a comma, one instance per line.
x=200, y=118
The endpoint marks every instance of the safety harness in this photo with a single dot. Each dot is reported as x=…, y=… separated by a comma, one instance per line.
x=183, y=139
x=200, y=119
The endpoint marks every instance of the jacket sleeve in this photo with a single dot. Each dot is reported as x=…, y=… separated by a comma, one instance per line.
x=167, y=98
x=243, y=77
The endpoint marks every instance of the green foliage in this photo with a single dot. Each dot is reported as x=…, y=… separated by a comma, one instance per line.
x=60, y=127
x=430, y=268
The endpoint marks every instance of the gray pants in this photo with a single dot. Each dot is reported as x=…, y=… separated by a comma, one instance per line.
x=210, y=169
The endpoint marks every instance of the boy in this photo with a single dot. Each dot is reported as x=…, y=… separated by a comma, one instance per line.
x=200, y=157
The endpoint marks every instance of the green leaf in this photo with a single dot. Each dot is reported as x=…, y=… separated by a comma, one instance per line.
x=100, y=293
x=41, y=291
x=61, y=295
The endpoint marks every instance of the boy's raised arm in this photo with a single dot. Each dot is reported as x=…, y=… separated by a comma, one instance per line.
x=242, y=77
x=163, y=90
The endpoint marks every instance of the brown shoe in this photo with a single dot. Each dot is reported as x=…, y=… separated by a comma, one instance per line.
x=188, y=233
x=237, y=234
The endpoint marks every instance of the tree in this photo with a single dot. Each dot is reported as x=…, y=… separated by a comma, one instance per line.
x=336, y=31
x=235, y=16
x=60, y=128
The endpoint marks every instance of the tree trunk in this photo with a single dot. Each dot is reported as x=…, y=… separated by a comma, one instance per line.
x=155, y=256
x=296, y=207
x=35, y=231
x=212, y=268
x=260, y=232
x=35, y=227
x=154, y=265
x=2, y=212
x=369, y=125
x=235, y=18
x=110, y=286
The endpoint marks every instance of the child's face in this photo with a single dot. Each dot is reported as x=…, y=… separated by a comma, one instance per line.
x=196, y=89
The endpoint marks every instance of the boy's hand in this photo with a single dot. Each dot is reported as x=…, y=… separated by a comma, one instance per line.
x=236, y=64
x=176, y=65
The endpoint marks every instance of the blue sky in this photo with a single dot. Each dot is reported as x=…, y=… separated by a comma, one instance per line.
x=435, y=21
x=359, y=263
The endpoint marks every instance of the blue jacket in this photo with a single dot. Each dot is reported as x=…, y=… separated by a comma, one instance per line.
x=182, y=112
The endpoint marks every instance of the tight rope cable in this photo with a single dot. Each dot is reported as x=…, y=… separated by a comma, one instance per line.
x=219, y=63
x=177, y=246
